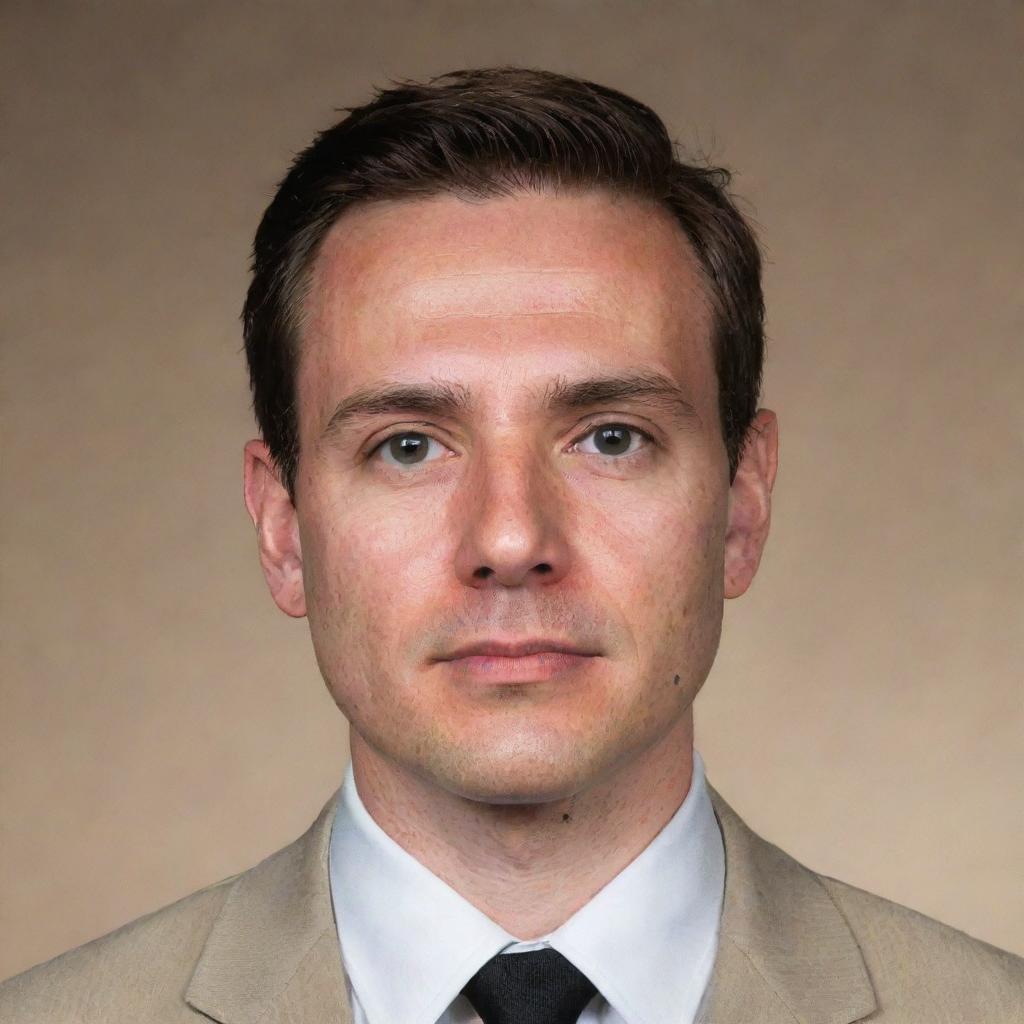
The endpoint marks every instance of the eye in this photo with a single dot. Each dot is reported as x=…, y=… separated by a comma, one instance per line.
x=615, y=439
x=407, y=448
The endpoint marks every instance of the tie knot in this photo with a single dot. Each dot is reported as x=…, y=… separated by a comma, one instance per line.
x=539, y=987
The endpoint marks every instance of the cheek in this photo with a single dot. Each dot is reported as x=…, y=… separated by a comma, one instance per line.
x=663, y=556
x=365, y=572
x=353, y=615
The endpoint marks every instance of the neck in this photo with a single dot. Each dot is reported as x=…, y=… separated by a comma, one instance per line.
x=529, y=867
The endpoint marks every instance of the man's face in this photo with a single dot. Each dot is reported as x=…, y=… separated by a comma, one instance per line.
x=511, y=515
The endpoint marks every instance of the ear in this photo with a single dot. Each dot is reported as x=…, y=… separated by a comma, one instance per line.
x=277, y=529
x=750, y=503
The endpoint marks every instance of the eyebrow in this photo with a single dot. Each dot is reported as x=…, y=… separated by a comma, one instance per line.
x=645, y=387
x=438, y=398
x=444, y=398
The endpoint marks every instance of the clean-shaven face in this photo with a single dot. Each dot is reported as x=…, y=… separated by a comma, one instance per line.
x=554, y=472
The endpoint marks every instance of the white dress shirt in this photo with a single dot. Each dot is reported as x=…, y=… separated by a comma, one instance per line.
x=647, y=940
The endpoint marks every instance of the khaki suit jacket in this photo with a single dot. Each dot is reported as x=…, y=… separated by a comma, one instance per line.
x=262, y=948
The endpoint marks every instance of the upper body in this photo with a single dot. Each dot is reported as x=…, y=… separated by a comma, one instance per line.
x=506, y=351
x=792, y=946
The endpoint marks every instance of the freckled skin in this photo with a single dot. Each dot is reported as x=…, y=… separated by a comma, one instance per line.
x=514, y=525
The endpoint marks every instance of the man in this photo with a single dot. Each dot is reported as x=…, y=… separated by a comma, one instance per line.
x=505, y=352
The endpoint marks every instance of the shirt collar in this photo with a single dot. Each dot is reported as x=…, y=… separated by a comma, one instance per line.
x=647, y=940
x=409, y=941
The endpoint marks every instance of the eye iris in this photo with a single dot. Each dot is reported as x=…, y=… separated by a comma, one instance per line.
x=615, y=438
x=408, y=448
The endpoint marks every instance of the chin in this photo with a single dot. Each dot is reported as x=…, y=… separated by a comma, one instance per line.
x=519, y=770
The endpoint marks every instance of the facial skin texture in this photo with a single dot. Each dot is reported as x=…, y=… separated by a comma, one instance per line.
x=515, y=525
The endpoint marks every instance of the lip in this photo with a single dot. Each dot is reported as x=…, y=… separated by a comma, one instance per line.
x=523, y=661
x=515, y=649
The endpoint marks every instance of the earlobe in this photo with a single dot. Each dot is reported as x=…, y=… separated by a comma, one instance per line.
x=750, y=503
x=277, y=529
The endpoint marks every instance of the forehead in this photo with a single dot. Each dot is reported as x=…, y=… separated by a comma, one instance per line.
x=527, y=286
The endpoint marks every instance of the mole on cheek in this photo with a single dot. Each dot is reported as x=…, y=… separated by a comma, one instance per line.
x=675, y=681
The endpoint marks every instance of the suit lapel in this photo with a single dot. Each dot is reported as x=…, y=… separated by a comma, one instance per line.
x=272, y=954
x=785, y=951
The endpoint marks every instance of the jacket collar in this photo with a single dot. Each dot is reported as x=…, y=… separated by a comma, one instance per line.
x=272, y=954
x=785, y=951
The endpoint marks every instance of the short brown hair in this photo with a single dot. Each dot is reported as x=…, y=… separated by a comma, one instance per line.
x=490, y=132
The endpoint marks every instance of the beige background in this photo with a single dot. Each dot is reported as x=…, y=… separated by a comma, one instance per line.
x=164, y=726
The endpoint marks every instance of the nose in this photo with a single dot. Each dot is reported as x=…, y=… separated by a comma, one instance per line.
x=511, y=522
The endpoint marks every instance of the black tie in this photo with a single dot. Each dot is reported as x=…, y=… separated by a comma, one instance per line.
x=539, y=987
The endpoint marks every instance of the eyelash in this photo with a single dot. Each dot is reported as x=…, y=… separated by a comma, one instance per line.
x=593, y=428
x=649, y=441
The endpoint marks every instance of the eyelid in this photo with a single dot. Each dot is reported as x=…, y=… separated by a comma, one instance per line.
x=375, y=450
x=649, y=438
x=409, y=427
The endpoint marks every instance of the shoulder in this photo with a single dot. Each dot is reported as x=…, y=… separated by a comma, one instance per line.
x=824, y=949
x=140, y=970
x=916, y=961
x=241, y=940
